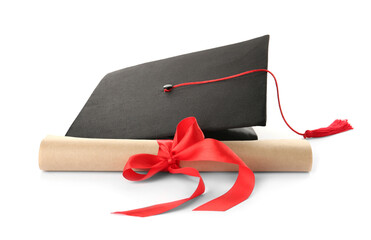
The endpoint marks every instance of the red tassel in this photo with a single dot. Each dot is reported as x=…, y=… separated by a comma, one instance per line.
x=337, y=126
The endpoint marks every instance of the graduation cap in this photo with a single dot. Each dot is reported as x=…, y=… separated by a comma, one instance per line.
x=141, y=102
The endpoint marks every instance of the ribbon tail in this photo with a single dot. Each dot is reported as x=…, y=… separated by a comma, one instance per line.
x=240, y=191
x=213, y=150
x=154, y=209
x=164, y=207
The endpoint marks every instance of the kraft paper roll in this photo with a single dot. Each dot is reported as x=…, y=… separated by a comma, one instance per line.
x=89, y=154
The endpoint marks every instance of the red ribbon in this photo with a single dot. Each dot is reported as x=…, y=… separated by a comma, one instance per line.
x=189, y=144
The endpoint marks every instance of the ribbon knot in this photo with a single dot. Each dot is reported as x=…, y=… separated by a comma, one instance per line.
x=189, y=144
x=165, y=152
x=172, y=163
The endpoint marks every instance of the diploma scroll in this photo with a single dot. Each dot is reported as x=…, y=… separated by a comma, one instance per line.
x=92, y=154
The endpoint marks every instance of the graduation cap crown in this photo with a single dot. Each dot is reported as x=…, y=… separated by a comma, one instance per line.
x=139, y=102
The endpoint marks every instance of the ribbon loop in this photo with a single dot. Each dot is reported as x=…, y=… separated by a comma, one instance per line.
x=189, y=144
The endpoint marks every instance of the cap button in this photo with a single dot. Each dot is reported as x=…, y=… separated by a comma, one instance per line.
x=168, y=87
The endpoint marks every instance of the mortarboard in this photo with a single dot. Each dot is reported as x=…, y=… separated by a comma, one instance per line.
x=139, y=102
x=131, y=103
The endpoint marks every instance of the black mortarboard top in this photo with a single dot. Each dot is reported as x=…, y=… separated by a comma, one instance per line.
x=131, y=103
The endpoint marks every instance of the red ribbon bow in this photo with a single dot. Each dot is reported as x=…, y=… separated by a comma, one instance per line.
x=189, y=144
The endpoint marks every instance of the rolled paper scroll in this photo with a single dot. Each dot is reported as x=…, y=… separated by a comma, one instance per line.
x=91, y=154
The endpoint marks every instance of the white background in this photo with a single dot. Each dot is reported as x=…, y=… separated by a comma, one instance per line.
x=52, y=56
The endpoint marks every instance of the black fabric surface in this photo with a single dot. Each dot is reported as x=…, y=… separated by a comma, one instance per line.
x=130, y=103
x=234, y=134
